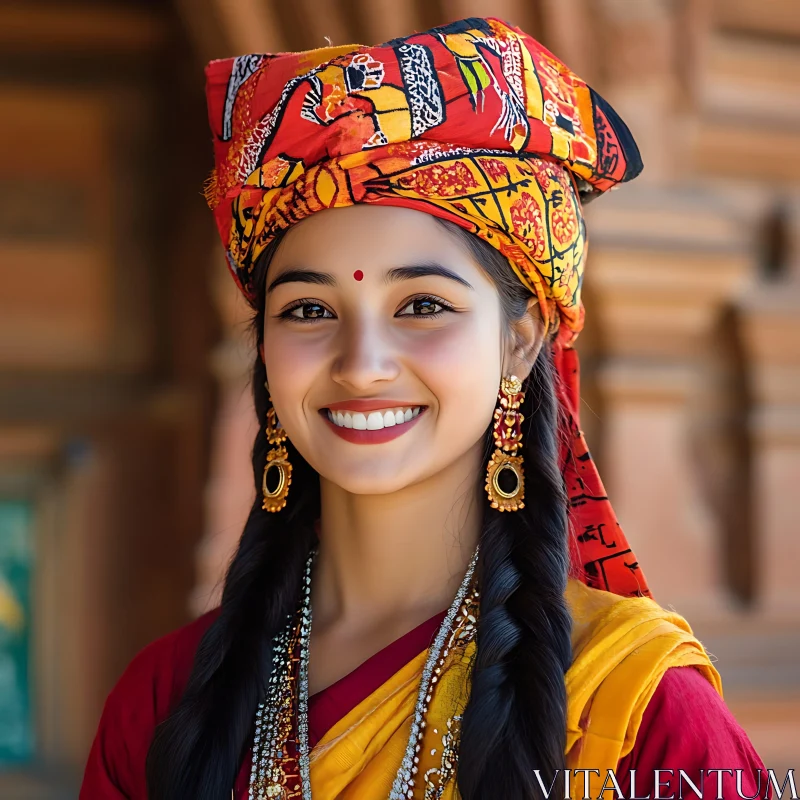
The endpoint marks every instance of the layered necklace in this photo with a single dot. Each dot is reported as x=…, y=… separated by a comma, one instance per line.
x=281, y=753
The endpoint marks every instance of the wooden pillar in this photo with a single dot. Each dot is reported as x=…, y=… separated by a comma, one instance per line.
x=230, y=488
x=236, y=27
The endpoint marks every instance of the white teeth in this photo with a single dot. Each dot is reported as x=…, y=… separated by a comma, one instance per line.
x=375, y=420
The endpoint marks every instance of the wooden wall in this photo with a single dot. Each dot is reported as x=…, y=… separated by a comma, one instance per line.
x=105, y=330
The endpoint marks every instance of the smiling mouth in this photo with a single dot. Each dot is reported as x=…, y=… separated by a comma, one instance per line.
x=372, y=420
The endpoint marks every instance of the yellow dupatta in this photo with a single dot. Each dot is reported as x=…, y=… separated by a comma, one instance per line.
x=621, y=649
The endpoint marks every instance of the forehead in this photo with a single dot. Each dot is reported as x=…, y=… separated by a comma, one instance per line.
x=364, y=237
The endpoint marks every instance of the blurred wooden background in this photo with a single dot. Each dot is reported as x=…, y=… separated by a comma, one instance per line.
x=125, y=422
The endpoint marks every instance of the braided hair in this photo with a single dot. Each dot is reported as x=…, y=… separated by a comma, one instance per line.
x=515, y=718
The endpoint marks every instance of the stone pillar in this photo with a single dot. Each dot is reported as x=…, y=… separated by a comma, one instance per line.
x=770, y=323
x=640, y=77
x=656, y=310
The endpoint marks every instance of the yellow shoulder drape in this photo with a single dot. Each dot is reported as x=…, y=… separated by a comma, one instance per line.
x=621, y=648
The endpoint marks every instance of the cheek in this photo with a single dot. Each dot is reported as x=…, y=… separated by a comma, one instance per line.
x=293, y=366
x=286, y=353
x=461, y=367
x=467, y=351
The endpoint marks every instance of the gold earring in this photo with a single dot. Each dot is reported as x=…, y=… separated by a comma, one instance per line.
x=504, y=463
x=277, y=458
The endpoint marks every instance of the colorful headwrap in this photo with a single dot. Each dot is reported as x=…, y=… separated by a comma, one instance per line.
x=474, y=122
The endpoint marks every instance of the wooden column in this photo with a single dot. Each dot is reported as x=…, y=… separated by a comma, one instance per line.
x=239, y=27
x=230, y=488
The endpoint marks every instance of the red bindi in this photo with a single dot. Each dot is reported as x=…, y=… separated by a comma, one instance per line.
x=358, y=275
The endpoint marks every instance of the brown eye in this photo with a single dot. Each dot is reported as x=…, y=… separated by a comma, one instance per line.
x=423, y=307
x=310, y=311
x=426, y=307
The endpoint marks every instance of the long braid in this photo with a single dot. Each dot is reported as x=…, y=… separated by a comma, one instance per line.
x=196, y=752
x=515, y=721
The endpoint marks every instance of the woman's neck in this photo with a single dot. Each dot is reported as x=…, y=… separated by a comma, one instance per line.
x=396, y=555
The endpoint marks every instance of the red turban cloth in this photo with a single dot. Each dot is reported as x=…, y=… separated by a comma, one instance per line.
x=474, y=122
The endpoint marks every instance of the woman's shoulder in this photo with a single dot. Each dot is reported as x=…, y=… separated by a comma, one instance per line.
x=610, y=627
x=143, y=696
x=161, y=669
x=630, y=653
x=632, y=637
x=685, y=702
x=688, y=727
x=621, y=648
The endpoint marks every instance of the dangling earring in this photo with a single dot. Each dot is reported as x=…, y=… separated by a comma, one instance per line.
x=505, y=465
x=277, y=458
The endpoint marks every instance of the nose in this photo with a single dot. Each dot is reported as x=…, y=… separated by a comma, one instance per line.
x=365, y=357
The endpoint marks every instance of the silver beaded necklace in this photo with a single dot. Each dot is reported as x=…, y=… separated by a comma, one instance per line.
x=273, y=717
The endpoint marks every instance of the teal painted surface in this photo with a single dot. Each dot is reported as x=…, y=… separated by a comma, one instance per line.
x=16, y=570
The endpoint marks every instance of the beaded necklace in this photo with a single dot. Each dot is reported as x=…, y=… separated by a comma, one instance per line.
x=281, y=754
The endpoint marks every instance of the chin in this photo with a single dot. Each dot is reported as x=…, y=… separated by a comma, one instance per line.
x=371, y=484
x=370, y=476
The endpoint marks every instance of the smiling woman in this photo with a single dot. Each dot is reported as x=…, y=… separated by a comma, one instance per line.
x=406, y=223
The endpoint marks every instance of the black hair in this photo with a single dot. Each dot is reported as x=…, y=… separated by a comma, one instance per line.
x=515, y=718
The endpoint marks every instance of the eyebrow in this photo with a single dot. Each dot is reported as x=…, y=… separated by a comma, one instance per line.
x=405, y=273
x=302, y=276
x=430, y=268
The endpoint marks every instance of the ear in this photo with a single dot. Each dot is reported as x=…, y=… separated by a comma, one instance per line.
x=526, y=339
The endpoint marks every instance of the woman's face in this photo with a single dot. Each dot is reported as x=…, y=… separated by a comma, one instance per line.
x=382, y=319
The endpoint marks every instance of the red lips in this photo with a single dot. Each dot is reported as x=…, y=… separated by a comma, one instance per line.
x=369, y=437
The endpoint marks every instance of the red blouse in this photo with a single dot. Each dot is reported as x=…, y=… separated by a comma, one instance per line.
x=685, y=726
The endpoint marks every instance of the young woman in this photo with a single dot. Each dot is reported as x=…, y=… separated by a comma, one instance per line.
x=432, y=597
